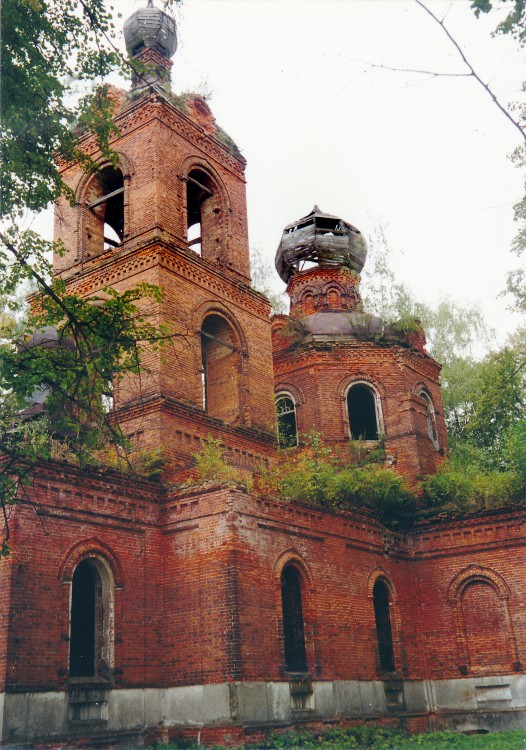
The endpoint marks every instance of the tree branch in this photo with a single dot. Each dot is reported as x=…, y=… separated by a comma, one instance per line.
x=472, y=71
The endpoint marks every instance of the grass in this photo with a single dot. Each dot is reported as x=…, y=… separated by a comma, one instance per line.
x=378, y=738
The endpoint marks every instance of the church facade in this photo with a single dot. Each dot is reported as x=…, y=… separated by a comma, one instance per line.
x=133, y=608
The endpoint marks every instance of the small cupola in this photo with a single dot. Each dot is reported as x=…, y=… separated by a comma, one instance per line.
x=151, y=39
x=319, y=240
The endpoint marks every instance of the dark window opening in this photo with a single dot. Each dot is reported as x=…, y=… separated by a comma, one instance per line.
x=361, y=404
x=85, y=615
x=293, y=630
x=383, y=626
x=105, y=223
x=219, y=374
x=198, y=193
x=286, y=415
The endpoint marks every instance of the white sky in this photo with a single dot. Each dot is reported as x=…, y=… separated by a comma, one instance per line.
x=424, y=155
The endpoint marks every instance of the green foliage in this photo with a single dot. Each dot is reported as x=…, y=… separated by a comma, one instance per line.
x=463, y=487
x=364, y=737
x=210, y=464
x=51, y=51
x=515, y=21
x=318, y=474
x=47, y=49
x=451, y=329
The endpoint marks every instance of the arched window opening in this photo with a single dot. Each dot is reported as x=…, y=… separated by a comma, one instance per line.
x=105, y=222
x=430, y=418
x=363, y=419
x=219, y=374
x=286, y=416
x=201, y=209
x=91, y=621
x=293, y=629
x=381, y=598
x=86, y=606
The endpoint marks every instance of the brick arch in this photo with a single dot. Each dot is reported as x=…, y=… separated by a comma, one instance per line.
x=486, y=644
x=197, y=162
x=86, y=549
x=293, y=558
x=125, y=164
x=215, y=245
x=84, y=220
x=214, y=307
x=223, y=363
x=358, y=378
x=333, y=286
x=477, y=573
x=377, y=574
x=295, y=392
x=380, y=574
x=309, y=291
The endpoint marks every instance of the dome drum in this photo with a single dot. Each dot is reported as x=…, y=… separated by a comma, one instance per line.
x=319, y=239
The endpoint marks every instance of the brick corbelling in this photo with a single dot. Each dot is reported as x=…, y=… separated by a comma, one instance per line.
x=193, y=415
x=154, y=252
x=156, y=108
x=483, y=531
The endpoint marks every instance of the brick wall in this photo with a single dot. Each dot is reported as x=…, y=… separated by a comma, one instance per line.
x=197, y=586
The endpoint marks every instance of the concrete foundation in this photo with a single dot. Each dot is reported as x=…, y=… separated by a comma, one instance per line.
x=491, y=703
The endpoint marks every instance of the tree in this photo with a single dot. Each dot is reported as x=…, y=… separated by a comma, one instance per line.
x=263, y=278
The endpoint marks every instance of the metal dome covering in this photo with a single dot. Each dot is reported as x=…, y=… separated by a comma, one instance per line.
x=150, y=27
x=319, y=239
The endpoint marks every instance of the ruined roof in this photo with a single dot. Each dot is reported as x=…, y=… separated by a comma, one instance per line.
x=319, y=239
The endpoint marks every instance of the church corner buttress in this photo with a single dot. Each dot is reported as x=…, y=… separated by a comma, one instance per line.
x=132, y=607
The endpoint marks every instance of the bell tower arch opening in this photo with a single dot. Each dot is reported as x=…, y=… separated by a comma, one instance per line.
x=203, y=213
x=104, y=227
x=220, y=372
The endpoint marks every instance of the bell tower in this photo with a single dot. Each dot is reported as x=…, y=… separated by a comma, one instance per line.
x=171, y=211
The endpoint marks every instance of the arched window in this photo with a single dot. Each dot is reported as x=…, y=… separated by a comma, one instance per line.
x=293, y=629
x=203, y=204
x=430, y=418
x=91, y=645
x=363, y=417
x=219, y=374
x=286, y=415
x=105, y=217
x=382, y=617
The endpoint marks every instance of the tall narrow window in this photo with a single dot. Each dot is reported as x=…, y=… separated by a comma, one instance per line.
x=286, y=415
x=85, y=619
x=381, y=598
x=105, y=219
x=363, y=419
x=430, y=418
x=293, y=630
x=199, y=193
x=219, y=376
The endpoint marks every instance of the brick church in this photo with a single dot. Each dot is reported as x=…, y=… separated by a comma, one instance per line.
x=131, y=607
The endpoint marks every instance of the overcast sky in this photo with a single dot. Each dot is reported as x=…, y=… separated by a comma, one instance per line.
x=293, y=82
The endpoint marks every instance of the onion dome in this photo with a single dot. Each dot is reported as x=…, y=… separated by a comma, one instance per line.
x=319, y=239
x=150, y=28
